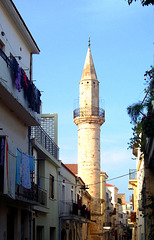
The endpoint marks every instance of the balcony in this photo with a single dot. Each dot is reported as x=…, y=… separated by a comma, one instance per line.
x=84, y=112
x=71, y=210
x=132, y=179
x=93, y=114
x=34, y=195
x=45, y=141
x=16, y=100
x=132, y=174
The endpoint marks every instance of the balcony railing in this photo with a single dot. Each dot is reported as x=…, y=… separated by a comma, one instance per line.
x=6, y=59
x=35, y=194
x=69, y=208
x=84, y=112
x=45, y=140
x=22, y=100
x=132, y=174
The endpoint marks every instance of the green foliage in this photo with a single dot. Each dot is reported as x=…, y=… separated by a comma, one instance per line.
x=142, y=114
x=135, y=112
x=143, y=2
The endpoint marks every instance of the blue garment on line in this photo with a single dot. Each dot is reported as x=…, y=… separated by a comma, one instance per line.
x=26, y=183
x=18, y=166
x=32, y=163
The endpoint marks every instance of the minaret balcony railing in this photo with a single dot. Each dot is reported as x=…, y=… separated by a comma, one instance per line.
x=85, y=112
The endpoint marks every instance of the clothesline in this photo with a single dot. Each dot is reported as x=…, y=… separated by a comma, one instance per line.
x=17, y=166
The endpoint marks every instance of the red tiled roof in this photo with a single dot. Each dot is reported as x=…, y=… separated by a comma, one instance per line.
x=109, y=185
x=73, y=168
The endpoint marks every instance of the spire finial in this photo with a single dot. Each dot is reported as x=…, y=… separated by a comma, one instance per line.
x=89, y=42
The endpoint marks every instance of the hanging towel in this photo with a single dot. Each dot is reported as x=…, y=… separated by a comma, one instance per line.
x=25, y=171
x=18, y=166
x=32, y=163
x=10, y=169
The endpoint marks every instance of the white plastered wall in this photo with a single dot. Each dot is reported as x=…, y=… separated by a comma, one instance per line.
x=14, y=128
x=13, y=41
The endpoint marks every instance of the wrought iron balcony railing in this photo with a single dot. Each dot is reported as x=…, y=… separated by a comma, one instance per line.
x=94, y=111
x=6, y=59
x=35, y=194
x=45, y=140
x=132, y=174
x=68, y=208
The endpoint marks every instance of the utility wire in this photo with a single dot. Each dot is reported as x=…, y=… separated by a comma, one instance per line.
x=92, y=183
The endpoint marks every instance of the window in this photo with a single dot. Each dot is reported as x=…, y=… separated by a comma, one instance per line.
x=52, y=233
x=71, y=195
x=2, y=159
x=51, y=186
x=63, y=198
x=40, y=232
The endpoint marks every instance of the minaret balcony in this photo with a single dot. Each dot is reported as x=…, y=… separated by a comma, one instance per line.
x=93, y=114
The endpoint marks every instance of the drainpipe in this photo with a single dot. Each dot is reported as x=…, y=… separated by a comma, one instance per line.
x=29, y=141
x=59, y=228
x=30, y=72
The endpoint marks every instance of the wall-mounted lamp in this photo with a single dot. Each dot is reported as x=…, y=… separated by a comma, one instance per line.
x=3, y=33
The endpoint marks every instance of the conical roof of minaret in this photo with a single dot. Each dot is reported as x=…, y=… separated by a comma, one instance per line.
x=89, y=69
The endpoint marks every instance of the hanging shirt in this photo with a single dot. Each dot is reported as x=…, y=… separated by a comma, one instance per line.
x=32, y=163
x=18, y=80
x=26, y=183
x=10, y=169
x=18, y=166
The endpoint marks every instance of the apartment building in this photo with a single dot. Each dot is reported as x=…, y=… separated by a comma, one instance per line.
x=47, y=164
x=74, y=205
x=19, y=110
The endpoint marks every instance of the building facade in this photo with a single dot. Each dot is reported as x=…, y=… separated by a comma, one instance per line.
x=49, y=122
x=19, y=110
x=47, y=164
x=74, y=206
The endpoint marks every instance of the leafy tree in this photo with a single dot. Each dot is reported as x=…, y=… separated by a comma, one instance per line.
x=142, y=117
x=142, y=114
x=143, y=2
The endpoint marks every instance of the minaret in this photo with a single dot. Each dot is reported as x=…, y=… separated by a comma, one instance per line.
x=89, y=117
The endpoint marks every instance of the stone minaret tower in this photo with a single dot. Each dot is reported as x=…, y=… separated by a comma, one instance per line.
x=89, y=118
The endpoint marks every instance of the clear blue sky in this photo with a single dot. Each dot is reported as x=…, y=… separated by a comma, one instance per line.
x=122, y=47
